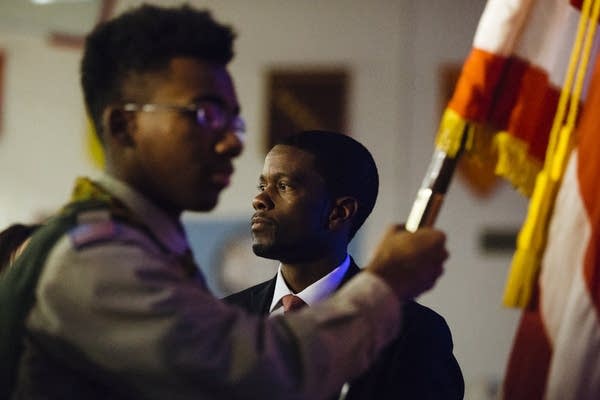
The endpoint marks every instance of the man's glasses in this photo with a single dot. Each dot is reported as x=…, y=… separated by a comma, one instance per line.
x=207, y=114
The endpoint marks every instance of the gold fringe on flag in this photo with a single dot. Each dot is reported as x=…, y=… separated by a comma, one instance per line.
x=513, y=152
x=495, y=151
x=451, y=131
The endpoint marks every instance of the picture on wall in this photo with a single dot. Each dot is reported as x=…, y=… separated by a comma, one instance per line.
x=305, y=98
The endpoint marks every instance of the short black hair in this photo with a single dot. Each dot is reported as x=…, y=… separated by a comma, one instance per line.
x=346, y=166
x=145, y=39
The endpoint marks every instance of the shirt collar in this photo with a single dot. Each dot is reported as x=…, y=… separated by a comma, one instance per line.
x=315, y=292
x=166, y=229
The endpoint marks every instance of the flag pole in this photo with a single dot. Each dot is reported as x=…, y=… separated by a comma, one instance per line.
x=436, y=182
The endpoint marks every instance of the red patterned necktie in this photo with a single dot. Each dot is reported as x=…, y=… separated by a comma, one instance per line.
x=292, y=302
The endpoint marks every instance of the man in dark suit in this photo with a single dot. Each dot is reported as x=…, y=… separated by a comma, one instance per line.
x=315, y=191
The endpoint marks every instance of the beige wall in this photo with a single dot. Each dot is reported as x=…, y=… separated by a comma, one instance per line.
x=393, y=50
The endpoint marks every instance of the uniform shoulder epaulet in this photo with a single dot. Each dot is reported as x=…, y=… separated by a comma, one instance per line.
x=93, y=226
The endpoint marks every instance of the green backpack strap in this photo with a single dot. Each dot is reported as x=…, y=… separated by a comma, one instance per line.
x=18, y=283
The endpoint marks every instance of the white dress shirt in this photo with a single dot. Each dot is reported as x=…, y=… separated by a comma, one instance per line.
x=312, y=294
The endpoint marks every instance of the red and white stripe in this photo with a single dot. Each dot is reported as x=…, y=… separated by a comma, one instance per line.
x=559, y=337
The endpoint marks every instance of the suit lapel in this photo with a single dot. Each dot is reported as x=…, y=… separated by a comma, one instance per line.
x=262, y=298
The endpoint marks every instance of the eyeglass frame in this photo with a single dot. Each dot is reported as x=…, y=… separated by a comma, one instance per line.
x=235, y=123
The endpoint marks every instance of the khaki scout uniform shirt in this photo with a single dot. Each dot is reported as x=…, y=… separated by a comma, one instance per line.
x=117, y=316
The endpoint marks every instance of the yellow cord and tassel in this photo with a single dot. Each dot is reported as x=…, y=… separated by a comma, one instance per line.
x=533, y=235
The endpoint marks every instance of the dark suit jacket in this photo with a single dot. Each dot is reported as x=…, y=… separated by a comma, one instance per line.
x=418, y=364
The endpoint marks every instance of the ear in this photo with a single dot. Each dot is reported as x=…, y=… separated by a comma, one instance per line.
x=342, y=212
x=119, y=126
